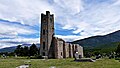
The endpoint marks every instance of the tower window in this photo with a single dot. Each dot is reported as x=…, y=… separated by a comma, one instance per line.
x=43, y=53
x=43, y=32
x=51, y=20
x=43, y=45
x=61, y=53
x=44, y=20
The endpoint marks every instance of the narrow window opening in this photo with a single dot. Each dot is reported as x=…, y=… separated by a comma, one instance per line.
x=43, y=45
x=43, y=32
x=61, y=53
x=43, y=53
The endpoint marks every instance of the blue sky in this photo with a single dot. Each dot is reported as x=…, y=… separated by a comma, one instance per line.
x=74, y=19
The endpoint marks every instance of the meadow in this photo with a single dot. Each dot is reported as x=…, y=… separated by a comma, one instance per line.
x=58, y=63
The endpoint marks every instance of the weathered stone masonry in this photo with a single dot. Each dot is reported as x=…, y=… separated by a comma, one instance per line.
x=53, y=47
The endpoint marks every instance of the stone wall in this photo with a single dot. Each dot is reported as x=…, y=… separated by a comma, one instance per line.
x=70, y=51
x=80, y=50
x=59, y=48
x=73, y=48
x=66, y=50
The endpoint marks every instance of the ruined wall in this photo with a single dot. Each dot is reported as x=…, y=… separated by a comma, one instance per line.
x=73, y=48
x=56, y=47
x=80, y=50
x=66, y=50
x=59, y=48
x=70, y=51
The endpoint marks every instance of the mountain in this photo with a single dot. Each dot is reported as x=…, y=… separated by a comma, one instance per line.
x=8, y=49
x=106, y=48
x=11, y=49
x=99, y=42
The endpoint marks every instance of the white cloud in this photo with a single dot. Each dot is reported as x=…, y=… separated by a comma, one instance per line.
x=64, y=9
x=21, y=40
x=70, y=7
x=96, y=19
x=117, y=3
x=8, y=29
x=70, y=38
x=10, y=32
x=27, y=11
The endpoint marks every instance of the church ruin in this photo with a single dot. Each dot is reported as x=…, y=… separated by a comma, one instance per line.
x=53, y=47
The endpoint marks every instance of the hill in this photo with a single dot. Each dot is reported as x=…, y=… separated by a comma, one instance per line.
x=105, y=43
x=106, y=48
x=8, y=49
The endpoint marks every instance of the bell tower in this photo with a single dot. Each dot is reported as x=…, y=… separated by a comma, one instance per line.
x=47, y=33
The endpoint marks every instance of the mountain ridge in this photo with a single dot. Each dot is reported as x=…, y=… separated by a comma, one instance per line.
x=99, y=40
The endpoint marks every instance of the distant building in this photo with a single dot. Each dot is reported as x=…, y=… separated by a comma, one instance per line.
x=51, y=46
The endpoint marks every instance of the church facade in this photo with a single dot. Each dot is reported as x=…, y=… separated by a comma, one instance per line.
x=53, y=47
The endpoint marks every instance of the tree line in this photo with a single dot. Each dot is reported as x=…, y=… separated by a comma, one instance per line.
x=26, y=51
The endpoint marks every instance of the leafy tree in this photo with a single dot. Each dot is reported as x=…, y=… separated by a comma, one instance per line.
x=33, y=50
x=18, y=50
x=22, y=51
x=118, y=49
x=26, y=51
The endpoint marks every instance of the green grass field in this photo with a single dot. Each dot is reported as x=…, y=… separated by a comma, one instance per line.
x=59, y=63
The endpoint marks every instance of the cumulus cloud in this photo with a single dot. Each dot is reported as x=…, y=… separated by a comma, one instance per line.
x=70, y=7
x=9, y=29
x=24, y=11
x=21, y=40
x=95, y=19
x=10, y=34
x=69, y=38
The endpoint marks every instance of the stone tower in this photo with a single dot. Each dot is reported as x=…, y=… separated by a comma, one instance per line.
x=47, y=33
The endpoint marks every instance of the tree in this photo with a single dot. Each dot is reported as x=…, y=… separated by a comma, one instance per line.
x=26, y=51
x=18, y=50
x=33, y=50
x=22, y=51
x=118, y=49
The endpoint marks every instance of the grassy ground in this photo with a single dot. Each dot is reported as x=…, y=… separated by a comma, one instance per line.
x=59, y=63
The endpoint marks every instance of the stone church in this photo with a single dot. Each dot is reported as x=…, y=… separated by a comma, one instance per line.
x=53, y=47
